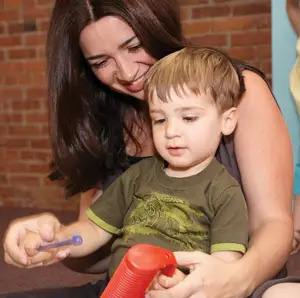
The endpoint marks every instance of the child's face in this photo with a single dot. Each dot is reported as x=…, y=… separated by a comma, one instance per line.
x=186, y=130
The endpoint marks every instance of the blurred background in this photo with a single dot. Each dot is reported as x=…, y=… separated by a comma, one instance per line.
x=242, y=28
x=246, y=29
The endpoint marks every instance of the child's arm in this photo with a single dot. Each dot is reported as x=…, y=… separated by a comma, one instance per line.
x=92, y=235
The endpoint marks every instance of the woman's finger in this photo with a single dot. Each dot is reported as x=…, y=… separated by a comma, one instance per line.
x=9, y=260
x=32, y=262
x=187, y=258
x=11, y=242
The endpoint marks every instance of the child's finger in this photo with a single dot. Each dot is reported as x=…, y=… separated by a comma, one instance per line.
x=169, y=282
x=31, y=243
x=42, y=258
x=152, y=283
x=10, y=261
x=166, y=282
x=157, y=286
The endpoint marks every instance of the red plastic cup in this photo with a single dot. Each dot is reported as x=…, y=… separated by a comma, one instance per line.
x=137, y=269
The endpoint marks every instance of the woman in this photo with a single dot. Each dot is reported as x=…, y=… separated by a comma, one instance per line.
x=99, y=53
x=291, y=287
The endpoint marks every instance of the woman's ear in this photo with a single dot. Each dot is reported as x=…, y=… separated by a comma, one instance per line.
x=229, y=121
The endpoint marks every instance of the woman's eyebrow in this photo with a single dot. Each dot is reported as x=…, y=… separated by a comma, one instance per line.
x=99, y=56
x=156, y=111
x=121, y=46
x=95, y=57
x=126, y=42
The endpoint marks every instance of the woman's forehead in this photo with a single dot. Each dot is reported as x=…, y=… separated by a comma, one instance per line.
x=106, y=33
x=108, y=26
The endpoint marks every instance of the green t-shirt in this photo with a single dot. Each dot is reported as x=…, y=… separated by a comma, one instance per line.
x=205, y=212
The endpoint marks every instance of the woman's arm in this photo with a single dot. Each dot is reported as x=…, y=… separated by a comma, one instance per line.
x=227, y=256
x=264, y=155
x=98, y=261
x=293, y=11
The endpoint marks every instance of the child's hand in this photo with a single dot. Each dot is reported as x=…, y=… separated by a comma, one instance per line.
x=167, y=282
x=164, y=282
x=30, y=244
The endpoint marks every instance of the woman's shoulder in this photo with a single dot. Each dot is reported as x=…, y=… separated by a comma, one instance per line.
x=254, y=79
x=249, y=69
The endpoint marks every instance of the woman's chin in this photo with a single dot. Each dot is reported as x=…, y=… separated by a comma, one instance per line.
x=140, y=95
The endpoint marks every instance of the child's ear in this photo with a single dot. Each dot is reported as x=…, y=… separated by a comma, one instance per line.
x=229, y=121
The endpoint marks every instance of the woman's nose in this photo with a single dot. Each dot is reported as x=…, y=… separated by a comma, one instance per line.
x=126, y=70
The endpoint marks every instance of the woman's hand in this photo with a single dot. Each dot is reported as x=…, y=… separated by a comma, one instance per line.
x=31, y=243
x=293, y=11
x=296, y=242
x=46, y=225
x=209, y=278
x=296, y=221
x=292, y=3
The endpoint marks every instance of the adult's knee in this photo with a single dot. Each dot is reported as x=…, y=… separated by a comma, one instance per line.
x=281, y=290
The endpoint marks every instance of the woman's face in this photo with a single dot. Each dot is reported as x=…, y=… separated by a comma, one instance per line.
x=115, y=55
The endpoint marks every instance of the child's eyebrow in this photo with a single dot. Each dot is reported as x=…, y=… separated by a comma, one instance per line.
x=185, y=109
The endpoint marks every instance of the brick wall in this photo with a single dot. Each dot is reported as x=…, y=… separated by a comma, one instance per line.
x=240, y=27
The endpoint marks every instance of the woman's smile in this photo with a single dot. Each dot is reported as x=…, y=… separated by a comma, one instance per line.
x=136, y=85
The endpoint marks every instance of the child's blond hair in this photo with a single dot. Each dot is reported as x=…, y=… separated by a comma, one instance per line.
x=200, y=70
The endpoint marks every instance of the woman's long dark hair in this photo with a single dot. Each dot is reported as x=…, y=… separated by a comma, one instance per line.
x=87, y=119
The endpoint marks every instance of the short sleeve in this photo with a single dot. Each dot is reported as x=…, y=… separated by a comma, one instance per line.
x=109, y=210
x=229, y=229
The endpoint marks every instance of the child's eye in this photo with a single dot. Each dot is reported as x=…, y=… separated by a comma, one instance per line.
x=190, y=119
x=98, y=65
x=158, y=121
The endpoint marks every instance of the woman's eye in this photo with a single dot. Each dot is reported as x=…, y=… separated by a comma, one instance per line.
x=98, y=65
x=134, y=48
x=190, y=119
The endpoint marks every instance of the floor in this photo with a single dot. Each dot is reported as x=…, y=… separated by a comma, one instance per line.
x=17, y=279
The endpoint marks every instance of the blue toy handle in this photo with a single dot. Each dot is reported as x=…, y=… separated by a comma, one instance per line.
x=75, y=240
